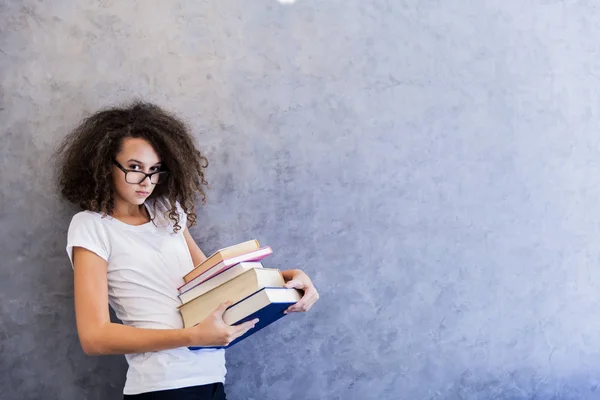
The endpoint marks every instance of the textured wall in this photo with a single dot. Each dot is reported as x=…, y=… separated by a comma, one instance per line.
x=432, y=165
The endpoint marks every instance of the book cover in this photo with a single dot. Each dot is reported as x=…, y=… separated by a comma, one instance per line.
x=266, y=304
x=220, y=255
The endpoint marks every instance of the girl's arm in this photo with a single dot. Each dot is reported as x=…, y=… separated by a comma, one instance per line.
x=98, y=335
x=197, y=254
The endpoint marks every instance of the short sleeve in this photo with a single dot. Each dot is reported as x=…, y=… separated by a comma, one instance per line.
x=86, y=231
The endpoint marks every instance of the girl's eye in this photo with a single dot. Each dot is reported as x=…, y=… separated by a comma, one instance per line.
x=134, y=167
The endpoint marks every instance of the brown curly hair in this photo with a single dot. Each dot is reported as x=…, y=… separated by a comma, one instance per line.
x=85, y=158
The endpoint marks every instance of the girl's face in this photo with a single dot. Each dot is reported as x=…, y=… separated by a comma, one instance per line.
x=138, y=155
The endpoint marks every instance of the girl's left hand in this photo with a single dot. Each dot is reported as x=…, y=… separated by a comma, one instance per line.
x=299, y=280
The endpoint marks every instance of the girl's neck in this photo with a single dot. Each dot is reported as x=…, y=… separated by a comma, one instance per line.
x=126, y=212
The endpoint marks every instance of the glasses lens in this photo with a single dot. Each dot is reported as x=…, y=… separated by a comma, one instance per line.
x=159, y=177
x=134, y=177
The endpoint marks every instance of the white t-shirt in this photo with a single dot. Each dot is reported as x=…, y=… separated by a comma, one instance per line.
x=146, y=265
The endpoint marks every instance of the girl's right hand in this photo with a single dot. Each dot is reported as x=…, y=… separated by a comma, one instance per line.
x=213, y=331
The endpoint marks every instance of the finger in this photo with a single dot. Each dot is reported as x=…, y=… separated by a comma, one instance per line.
x=246, y=325
x=240, y=330
x=301, y=303
x=305, y=303
x=313, y=296
x=296, y=307
x=304, y=306
x=309, y=292
x=311, y=302
x=294, y=284
x=236, y=335
x=222, y=307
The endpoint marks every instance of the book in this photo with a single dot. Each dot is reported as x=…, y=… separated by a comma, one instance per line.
x=266, y=304
x=217, y=280
x=220, y=255
x=234, y=290
x=256, y=255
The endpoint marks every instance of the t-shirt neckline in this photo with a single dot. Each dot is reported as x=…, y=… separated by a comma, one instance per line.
x=143, y=226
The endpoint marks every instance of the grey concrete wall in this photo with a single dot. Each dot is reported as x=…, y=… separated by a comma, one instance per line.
x=432, y=165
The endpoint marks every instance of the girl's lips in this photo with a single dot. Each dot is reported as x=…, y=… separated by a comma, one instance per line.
x=142, y=193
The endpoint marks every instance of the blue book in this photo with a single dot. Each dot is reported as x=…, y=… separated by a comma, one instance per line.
x=266, y=304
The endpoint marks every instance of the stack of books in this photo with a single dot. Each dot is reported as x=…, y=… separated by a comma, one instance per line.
x=236, y=274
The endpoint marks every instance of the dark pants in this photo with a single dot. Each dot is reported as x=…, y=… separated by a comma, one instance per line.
x=213, y=391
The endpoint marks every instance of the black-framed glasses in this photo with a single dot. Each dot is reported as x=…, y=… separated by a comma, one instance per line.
x=137, y=177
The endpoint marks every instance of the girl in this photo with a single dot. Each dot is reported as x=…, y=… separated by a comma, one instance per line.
x=135, y=172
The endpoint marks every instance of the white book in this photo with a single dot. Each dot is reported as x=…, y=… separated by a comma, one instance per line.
x=217, y=280
x=257, y=305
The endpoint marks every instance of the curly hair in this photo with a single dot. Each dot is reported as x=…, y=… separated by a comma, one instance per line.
x=85, y=158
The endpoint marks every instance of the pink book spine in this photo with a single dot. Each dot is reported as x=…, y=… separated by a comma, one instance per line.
x=256, y=255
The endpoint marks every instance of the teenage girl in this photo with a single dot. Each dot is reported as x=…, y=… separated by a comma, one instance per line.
x=135, y=172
